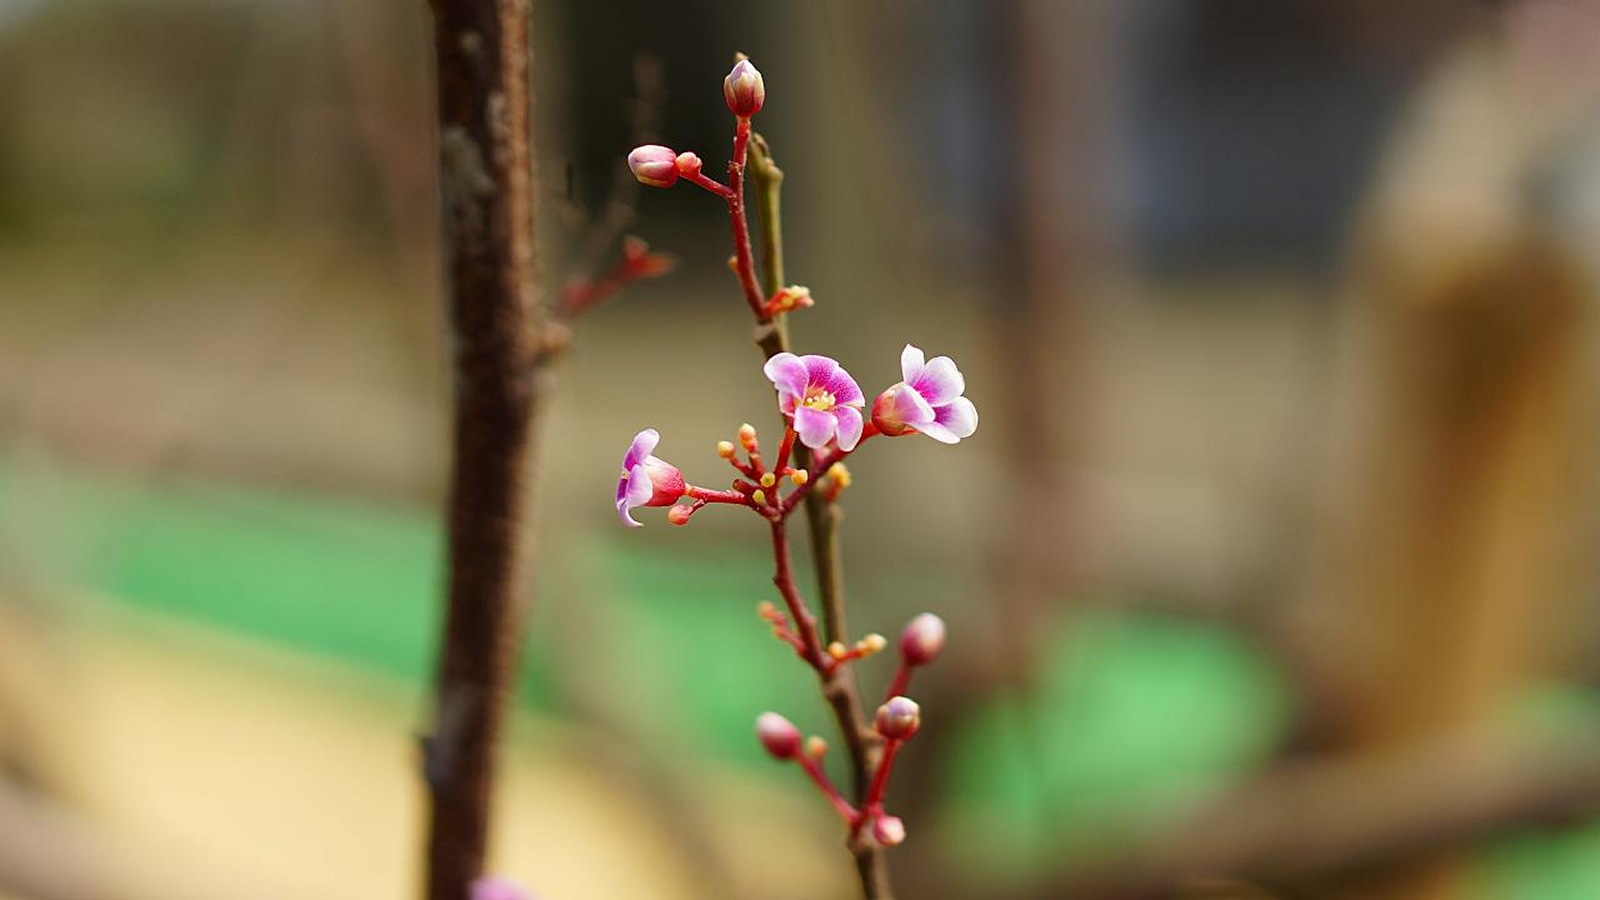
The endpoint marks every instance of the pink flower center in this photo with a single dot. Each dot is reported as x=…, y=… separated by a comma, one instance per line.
x=818, y=399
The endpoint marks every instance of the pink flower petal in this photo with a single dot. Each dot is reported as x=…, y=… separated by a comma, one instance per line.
x=819, y=369
x=850, y=425
x=844, y=389
x=911, y=363
x=814, y=426
x=644, y=444
x=910, y=408
x=787, y=373
x=940, y=381
x=635, y=491
x=953, y=422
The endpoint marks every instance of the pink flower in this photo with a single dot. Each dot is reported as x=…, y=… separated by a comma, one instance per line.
x=646, y=480
x=928, y=400
x=821, y=397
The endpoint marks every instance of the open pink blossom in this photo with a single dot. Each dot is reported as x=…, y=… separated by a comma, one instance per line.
x=928, y=400
x=646, y=480
x=822, y=398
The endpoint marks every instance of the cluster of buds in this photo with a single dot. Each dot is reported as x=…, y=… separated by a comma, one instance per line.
x=826, y=418
x=898, y=719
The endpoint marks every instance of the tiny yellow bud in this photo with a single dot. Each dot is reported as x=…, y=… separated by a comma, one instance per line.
x=768, y=480
x=725, y=449
x=760, y=497
x=837, y=650
x=839, y=474
x=816, y=746
x=733, y=262
x=747, y=435
x=765, y=609
x=872, y=643
x=799, y=476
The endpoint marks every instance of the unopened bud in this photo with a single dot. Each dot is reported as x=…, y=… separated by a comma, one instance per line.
x=744, y=90
x=688, y=164
x=725, y=449
x=898, y=719
x=679, y=515
x=799, y=477
x=888, y=830
x=760, y=498
x=816, y=747
x=778, y=735
x=654, y=165
x=837, y=650
x=768, y=479
x=747, y=437
x=840, y=475
x=871, y=644
x=921, y=640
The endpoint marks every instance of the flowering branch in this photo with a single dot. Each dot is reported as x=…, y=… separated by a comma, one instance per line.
x=825, y=421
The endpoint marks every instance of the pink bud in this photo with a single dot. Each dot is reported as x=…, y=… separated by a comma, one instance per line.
x=679, y=515
x=898, y=719
x=495, y=887
x=654, y=165
x=888, y=830
x=744, y=90
x=688, y=164
x=922, y=640
x=778, y=735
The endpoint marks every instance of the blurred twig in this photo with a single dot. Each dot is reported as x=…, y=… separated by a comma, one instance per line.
x=1313, y=821
x=486, y=187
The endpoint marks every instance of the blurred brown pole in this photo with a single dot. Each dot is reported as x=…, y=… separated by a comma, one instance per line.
x=1462, y=487
x=486, y=191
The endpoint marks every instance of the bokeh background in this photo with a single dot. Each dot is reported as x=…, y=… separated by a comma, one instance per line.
x=1269, y=573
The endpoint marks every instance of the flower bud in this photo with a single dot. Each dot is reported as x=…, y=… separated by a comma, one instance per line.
x=747, y=437
x=495, y=887
x=725, y=449
x=654, y=165
x=888, y=830
x=679, y=515
x=816, y=747
x=921, y=640
x=688, y=164
x=898, y=719
x=744, y=90
x=778, y=735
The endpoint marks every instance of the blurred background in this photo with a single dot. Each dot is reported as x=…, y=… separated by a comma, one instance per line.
x=1269, y=573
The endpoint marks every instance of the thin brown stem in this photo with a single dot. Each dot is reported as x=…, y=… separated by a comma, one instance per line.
x=486, y=187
